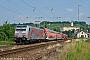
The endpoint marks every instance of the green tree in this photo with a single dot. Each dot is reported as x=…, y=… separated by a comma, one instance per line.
x=3, y=36
x=69, y=33
x=6, y=32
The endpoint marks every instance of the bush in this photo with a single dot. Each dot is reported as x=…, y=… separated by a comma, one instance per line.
x=3, y=36
x=6, y=32
x=7, y=43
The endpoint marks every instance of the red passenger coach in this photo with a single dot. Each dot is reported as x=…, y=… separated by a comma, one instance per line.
x=50, y=34
x=64, y=36
x=37, y=33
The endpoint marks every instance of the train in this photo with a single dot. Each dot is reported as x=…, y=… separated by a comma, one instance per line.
x=25, y=34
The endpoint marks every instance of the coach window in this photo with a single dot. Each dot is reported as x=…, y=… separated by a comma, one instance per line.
x=29, y=29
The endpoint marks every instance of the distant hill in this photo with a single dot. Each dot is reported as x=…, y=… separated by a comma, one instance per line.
x=56, y=25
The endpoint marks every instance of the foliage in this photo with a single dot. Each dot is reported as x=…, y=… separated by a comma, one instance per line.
x=88, y=30
x=6, y=32
x=3, y=36
x=69, y=33
x=7, y=43
x=70, y=55
x=78, y=51
x=88, y=41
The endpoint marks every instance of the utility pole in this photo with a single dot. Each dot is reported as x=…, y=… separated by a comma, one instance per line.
x=78, y=16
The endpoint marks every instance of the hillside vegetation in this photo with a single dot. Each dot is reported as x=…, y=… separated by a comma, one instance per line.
x=56, y=25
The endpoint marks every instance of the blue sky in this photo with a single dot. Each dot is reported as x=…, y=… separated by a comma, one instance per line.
x=17, y=11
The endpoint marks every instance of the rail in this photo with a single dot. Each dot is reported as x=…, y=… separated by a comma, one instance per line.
x=31, y=47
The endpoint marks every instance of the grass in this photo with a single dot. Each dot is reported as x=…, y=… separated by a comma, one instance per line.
x=78, y=51
x=7, y=43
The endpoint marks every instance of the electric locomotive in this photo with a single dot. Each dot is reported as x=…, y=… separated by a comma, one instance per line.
x=27, y=34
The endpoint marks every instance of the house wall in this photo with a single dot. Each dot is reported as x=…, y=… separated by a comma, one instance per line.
x=80, y=34
x=68, y=28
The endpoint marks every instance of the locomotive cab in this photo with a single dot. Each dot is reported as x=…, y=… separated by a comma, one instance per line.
x=21, y=33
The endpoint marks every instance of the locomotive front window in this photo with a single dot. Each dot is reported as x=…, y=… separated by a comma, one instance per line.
x=20, y=29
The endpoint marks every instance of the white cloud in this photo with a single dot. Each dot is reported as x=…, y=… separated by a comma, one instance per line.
x=69, y=9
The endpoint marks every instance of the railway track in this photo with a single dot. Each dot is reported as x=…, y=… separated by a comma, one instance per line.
x=44, y=53
x=31, y=47
x=10, y=47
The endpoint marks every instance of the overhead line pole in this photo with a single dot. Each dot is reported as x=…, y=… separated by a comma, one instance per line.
x=78, y=20
x=78, y=17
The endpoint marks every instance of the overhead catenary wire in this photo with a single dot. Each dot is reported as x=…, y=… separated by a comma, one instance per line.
x=35, y=8
x=15, y=3
x=59, y=6
x=23, y=14
x=18, y=5
x=51, y=9
x=14, y=11
x=11, y=10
